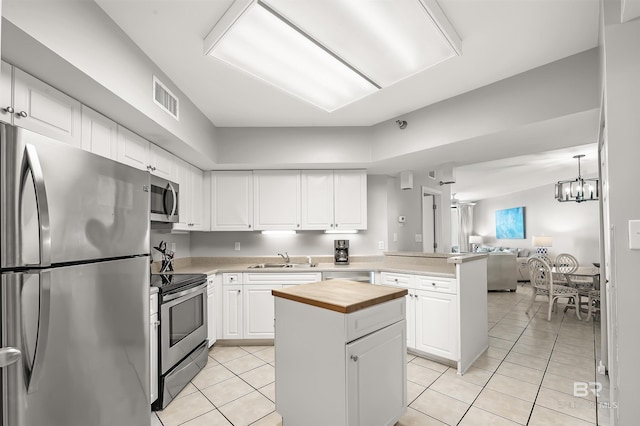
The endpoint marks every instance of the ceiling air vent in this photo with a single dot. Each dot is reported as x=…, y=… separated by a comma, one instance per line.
x=164, y=98
x=431, y=174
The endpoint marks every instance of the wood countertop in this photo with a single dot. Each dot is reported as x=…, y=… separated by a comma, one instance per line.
x=342, y=296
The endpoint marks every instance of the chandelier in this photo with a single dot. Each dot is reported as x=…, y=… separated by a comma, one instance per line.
x=579, y=189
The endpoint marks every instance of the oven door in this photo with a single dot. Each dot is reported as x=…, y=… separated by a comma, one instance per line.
x=183, y=324
x=164, y=200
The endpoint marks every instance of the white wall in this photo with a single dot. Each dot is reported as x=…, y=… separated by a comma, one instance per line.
x=622, y=71
x=304, y=243
x=575, y=227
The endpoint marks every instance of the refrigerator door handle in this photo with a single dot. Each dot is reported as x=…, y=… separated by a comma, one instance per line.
x=9, y=356
x=32, y=162
x=42, y=336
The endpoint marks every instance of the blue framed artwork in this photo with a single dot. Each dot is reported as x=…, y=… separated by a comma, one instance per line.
x=510, y=223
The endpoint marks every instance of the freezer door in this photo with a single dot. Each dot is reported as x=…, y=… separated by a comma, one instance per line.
x=59, y=204
x=83, y=332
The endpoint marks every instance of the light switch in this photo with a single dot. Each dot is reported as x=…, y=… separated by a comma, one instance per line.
x=236, y=246
x=634, y=234
x=418, y=238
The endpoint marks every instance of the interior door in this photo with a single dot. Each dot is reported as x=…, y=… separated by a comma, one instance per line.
x=428, y=223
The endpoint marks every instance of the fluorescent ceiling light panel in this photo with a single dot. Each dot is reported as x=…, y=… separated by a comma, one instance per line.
x=388, y=40
x=332, y=52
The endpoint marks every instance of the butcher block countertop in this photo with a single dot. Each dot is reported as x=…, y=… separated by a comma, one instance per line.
x=342, y=296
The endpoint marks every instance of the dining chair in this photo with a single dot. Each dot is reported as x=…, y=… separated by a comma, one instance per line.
x=543, y=284
x=594, y=304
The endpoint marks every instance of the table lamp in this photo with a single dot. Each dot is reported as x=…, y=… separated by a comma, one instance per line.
x=475, y=240
x=542, y=243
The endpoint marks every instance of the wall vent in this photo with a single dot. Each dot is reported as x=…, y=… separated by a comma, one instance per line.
x=431, y=174
x=165, y=99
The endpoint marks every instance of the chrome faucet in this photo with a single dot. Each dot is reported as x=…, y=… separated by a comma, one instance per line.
x=285, y=256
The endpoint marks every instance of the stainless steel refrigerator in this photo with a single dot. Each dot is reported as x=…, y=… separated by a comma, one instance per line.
x=74, y=295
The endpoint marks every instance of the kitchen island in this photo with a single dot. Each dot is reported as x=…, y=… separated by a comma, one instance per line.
x=340, y=351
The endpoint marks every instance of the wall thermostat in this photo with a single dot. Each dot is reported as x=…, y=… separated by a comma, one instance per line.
x=402, y=219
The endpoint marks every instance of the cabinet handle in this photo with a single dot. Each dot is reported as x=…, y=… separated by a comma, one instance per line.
x=433, y=284
x=298, y=225
x=22, y=114
x=249, y=226
x=354, y=358
x=10, y=109
x=238, y=291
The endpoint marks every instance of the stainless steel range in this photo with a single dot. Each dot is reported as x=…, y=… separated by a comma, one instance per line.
x=183, y=349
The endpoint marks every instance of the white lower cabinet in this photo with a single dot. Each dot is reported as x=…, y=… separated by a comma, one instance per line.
x=432, y=313
x=376, y=377
x=153, y=344
x=232, y=312
x=259, y=311
x=211, y=310
x=436, y=324
x=248, y=305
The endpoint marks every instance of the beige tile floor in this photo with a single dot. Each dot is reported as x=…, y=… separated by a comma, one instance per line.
x=525, y=378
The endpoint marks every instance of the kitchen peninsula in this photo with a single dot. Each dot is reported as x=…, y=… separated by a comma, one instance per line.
x=340, y=349
x=446, y=302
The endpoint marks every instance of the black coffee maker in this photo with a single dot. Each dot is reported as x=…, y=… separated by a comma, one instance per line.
x=341, y=254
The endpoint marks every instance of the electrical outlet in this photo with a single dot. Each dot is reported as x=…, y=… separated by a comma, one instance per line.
x=418, y=238
x=173, y=247
x=236, y=246
x=395, y=237
x=381, y=245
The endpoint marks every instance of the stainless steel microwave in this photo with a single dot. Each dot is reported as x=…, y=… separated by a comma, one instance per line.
x=164, y=200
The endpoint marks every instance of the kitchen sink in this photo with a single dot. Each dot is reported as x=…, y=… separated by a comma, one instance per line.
x=284, y=265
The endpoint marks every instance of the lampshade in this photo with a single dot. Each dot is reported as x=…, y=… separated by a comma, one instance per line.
x=475, y=239
x=542, y=241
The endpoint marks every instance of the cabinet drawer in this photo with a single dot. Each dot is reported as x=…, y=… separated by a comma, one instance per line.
x=232, y=278
x=281, y=277
x=365, y=321
x=443, y=285
x=392, y=278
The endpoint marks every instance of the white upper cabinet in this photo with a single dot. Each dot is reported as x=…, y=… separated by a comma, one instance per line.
x=276, y=198
x=161, y=162
x=317, y=199
x=191, y=208
x=334, y=199
x=350, y=199
x=36, y=106
x=132, y=149
x=99, y=134
x=232, y=201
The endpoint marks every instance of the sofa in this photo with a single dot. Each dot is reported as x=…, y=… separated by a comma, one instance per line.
x=502, y=271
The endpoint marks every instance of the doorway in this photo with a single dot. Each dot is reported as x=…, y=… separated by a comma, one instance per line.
x=431, y=220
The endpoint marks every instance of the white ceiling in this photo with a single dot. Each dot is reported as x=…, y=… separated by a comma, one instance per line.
x=500, y=38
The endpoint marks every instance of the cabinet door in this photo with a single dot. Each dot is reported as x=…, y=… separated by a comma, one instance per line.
x=377, y=377
x=197, y=199
x=411, y=319
x=45, y=110
x=161, y=162
x=211, y=310
x=232, y=201
x=153, y=356
x=259, y=314
x=437, y=323
x=232, y=312
x=99, y=134
x=132, y=149
x=182, y=177
x=317, y=199
x=350, y=187
x=276, y=195
x=6, y=92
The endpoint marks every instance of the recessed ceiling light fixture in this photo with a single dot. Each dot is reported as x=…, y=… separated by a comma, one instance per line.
x=333, y=52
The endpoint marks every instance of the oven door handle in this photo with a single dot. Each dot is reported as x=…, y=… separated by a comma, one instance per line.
x=175, y=296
